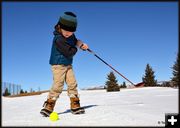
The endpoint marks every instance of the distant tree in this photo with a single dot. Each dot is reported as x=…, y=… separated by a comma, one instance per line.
x=124, y=85
x=149, y=77
x=166, y=84
x=175, y=68
x=31, y=90
x=21, y=91
x=111, y=83
x=6, y=92
x=25, y=92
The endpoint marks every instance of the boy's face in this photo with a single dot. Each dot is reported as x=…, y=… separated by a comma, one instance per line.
x=65, y=33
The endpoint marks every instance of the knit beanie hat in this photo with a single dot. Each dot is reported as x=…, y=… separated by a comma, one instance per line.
x=68, y=21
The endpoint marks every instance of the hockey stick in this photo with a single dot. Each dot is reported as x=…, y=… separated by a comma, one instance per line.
x=136, y=85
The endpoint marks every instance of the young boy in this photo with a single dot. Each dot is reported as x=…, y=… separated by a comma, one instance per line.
x=62, y=52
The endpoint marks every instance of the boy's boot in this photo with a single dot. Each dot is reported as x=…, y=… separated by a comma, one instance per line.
x=75, y=106
x=48, y=107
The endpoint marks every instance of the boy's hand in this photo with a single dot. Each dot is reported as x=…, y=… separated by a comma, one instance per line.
x=84, y=46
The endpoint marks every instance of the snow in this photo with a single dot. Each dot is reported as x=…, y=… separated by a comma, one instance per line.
x=130, y=107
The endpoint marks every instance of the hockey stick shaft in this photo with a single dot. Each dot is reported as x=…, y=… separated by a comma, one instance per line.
x=110, y=66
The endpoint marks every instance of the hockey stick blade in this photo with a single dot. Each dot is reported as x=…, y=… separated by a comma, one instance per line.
x=139, y=84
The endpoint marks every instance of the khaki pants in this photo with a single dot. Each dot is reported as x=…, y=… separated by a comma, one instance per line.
x=61, y=74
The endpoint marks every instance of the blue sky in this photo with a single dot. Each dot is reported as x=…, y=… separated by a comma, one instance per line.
x=127, y=35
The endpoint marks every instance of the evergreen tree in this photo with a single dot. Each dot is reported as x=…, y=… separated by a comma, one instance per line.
x=21, y=91
x=111, y=83
x=175, y=78
x=124, y=85
x=6, y=92
x=149, y=77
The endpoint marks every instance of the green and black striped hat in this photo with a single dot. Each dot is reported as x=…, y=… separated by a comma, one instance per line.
x=68, y=21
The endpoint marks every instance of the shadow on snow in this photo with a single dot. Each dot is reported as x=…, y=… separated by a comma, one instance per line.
x=69, y=110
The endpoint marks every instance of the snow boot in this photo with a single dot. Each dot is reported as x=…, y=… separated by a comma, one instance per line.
x=48, y=107
x=75, y=106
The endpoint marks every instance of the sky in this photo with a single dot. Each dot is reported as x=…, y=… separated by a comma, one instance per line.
x=127, y=35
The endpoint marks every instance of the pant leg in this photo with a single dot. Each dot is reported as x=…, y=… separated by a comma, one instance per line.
x=71, y=82
x=59, y=73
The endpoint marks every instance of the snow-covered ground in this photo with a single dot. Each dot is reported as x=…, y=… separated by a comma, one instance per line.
x=129, y=107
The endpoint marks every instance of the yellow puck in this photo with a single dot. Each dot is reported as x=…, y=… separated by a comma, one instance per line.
x=54, y=116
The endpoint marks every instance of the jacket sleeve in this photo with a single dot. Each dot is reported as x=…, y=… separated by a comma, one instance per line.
x=75, y=39
x=66, y=49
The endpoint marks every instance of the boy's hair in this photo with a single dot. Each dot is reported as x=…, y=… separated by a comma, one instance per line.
x=57, y=28
x=68, y=22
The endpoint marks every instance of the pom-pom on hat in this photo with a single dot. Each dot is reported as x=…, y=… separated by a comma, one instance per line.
x=68, y=21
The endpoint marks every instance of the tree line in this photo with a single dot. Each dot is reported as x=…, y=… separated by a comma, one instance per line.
x=148, y=78
x=7, y=93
